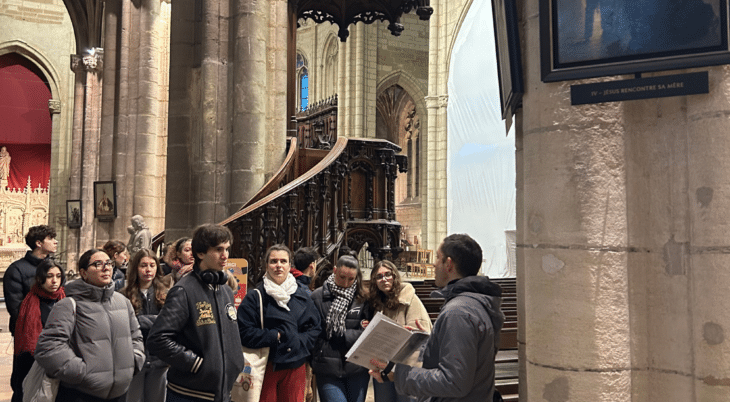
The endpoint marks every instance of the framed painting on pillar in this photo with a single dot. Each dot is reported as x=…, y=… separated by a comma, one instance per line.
x=73, y=213
x=105, y=200
x=597, y=38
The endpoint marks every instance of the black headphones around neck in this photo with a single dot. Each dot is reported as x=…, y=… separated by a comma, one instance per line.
x=212, y=277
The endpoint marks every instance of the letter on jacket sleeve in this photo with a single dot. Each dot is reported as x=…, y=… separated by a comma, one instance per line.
x=454, y=376
x=53, y=351
x=162, y=341
x=137, y=339
x=351, y=335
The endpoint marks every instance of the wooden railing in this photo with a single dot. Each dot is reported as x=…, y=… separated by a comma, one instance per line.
x=329, y=192
x=346, y=198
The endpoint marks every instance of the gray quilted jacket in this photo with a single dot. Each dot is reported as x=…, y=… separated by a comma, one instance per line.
x=95, y=349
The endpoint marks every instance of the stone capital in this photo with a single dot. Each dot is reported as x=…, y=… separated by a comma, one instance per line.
x=437, y=101
x=93, y=61
x=54, y=106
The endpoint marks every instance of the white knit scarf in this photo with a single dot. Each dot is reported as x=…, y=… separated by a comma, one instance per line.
x=281, y=293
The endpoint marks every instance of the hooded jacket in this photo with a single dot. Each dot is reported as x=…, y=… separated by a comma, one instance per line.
x=458, y=361
x=196, y=333
x=96, y=348
x=16, y=284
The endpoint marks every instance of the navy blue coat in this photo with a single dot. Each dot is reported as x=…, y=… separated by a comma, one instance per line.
x=299, y=327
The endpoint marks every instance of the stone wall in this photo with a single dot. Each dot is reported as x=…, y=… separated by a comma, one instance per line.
x=622, y=242
x=41, y=31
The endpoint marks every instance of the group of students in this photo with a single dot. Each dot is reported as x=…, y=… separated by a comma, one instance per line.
x=149, y=340
x=320, y=329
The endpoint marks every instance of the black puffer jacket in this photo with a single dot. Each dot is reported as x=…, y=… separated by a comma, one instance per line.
x=196, y=333
x=16, y=284
x=328, y=358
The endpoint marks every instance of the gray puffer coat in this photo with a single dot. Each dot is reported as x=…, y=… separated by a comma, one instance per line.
x=95, y=349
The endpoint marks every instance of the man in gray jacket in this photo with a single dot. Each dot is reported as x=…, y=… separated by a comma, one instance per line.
x=458, y=360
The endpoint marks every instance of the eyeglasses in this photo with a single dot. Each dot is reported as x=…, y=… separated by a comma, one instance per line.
x=102, y=264
x=386, y=277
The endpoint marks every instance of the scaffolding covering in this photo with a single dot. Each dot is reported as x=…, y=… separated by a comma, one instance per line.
x=481, y=191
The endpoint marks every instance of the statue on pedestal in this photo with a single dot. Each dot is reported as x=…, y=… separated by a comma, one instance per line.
x=141, y=237
x=4, y=167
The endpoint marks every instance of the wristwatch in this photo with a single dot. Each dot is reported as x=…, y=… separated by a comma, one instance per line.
x=386, y=371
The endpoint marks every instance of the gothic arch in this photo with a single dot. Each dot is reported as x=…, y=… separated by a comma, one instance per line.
x=457, y=29
x=303, y=69
x=329, y=66
x=38, y=59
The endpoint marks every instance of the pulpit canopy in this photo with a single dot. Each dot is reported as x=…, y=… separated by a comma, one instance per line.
x=346, y=12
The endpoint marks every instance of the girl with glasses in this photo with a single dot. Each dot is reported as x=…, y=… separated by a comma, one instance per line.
x=397, y=300
x=91, y=342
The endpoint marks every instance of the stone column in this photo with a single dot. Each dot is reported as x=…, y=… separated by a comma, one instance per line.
x=435, y=189
x=227, y=112
x=89, y=66
x=249, y=103
x=623, y=246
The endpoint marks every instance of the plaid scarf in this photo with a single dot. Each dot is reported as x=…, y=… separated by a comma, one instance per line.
x=338, y=310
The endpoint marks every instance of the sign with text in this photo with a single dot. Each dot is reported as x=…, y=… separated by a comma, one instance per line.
x=239, y=268
x=640, y=88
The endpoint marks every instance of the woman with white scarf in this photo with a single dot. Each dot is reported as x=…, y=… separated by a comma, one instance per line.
x=291, y=326
x=342, y=309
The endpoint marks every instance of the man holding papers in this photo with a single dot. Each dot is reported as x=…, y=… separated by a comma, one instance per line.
x=458, y=360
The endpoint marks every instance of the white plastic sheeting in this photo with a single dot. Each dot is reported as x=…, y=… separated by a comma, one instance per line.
x=481, y=157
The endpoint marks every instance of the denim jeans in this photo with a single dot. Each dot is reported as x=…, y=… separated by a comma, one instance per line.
x=352, y=388
x=385, y=392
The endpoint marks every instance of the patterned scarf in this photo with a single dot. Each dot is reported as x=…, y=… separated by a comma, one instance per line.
x=338, y=311
x=29, y=325
x=281, y=293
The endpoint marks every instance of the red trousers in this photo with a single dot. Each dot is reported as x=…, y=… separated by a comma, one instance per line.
x=284, y=385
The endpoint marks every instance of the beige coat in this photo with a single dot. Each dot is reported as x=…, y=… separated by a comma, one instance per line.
x=409, y=310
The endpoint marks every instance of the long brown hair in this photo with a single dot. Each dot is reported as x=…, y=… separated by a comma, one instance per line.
x=132, y=290
x=378, y=299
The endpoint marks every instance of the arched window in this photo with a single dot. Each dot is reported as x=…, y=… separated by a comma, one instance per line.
x=302, y=82
x=330, y=67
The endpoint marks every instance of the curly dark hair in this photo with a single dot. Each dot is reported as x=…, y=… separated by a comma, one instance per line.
x=39, y=233
x=131, y=291
x=207, y=236
x=378, y=299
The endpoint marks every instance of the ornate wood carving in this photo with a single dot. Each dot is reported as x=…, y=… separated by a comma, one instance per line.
x=346, y=12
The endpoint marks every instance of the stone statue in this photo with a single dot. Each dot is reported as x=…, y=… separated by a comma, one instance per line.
x=141, y=238
x=4, y=164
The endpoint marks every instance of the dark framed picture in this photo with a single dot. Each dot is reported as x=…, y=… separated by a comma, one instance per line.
x=595, y=38
x=509, y=56
x=73, y=213
x=105, y=200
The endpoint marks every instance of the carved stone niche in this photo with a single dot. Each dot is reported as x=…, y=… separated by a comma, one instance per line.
x=19, y=210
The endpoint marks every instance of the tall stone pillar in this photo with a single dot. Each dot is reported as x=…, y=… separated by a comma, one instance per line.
x=227, y=113
x=623, y=222
x=435, y=181
x=89, y=67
